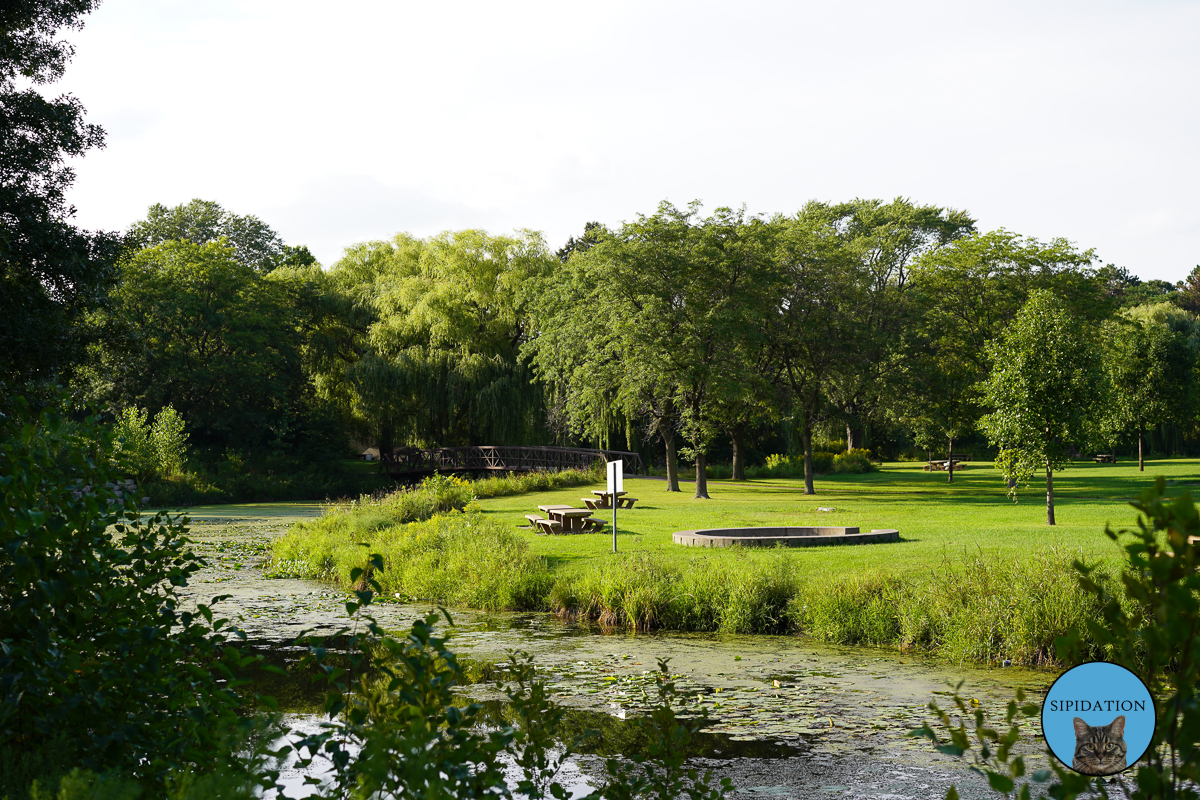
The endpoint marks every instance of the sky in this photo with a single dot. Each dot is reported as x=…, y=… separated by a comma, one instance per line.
x=337, y=123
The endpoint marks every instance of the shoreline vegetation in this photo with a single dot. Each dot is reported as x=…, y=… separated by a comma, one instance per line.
x=439, y=543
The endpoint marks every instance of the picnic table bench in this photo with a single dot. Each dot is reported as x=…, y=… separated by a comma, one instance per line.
x=1105, y=458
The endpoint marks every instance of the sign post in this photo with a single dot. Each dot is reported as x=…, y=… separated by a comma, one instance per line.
x=616, y=483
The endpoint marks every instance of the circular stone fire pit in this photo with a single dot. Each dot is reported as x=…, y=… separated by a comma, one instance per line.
x=788, y=537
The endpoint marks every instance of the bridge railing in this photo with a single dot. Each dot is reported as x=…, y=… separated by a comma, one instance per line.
x=505, y=459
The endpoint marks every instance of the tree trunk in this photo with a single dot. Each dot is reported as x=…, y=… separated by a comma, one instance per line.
x=701, y=479
x=1049, y=495
x=806, y=434
x=1141, y=446
x=386, y=441
x=854, y=437
x=672, y=459
x=950, y=462
x=739, y=454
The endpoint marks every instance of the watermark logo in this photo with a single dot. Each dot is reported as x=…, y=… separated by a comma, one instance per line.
x=1098, y=718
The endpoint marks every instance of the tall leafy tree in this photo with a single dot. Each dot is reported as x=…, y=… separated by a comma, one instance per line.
x=1150, y=371
x=882, y=240
x=655, y=321
x=1043, y=384
x=439, y=361
x=192, y=327
x=254, y=243
x=809, y=329
x=51, y=273
x=964, y=295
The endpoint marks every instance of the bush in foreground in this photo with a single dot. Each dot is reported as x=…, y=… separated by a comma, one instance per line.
x=99, y=665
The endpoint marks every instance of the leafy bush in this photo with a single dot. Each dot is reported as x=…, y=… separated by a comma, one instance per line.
x=99, y=667
x=151, y=450
x=780, y=466
x=854, y=462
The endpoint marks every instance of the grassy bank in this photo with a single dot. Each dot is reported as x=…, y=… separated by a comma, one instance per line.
x=974, y=576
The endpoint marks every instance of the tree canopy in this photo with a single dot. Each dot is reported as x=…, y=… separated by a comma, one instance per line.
x=51, y=273
x=1042, y=387
x=254, y=244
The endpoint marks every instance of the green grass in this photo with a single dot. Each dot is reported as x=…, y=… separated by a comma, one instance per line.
x=937, y=521
x=974, y=577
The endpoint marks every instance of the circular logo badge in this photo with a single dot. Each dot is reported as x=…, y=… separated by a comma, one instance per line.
x=1098, y=718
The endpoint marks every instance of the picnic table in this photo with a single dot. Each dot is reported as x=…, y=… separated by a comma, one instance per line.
x=1105, y=458
x=941, y=465
x=571, y=519
x=603, y=499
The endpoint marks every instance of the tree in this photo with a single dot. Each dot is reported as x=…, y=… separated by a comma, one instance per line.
x=1188, y=296
x=1149, y=370
x=51, y=274
x=1043, y=384
x=254, y=244
x=193, y=328
x=808, y=328
x=882, y=242
x=592, y=232
x=438, y=358
x=674, y=300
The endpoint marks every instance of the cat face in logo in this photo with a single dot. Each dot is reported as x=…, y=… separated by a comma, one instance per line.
x=1099, y=749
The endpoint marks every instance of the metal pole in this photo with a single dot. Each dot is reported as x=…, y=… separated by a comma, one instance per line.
x=614, y=502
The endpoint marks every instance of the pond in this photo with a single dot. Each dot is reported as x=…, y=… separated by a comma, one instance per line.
x=788, y=717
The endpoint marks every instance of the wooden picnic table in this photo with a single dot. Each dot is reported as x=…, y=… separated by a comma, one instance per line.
x=1105, y=458
x=571, y=519
x=603, y=499
x=940, y=465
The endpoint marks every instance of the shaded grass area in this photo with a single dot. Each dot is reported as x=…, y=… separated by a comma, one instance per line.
x=975, y=576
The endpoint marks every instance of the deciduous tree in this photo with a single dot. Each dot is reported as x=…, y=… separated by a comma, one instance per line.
x=51, y=273
x=1043, y=384
x=1149, y=370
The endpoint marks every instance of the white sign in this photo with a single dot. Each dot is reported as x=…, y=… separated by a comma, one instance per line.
x=616, y=477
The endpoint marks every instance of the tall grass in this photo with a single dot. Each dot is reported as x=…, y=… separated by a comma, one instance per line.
x=463, y=559
x=977, y=607
x=523, y=483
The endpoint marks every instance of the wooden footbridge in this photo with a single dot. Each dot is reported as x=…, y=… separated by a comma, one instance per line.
x=404, y=463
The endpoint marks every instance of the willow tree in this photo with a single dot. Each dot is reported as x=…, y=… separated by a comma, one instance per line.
x=438, y=361
x=1043, y=385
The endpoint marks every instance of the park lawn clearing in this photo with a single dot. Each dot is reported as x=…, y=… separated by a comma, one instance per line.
x=975, y=577
x=938, y=522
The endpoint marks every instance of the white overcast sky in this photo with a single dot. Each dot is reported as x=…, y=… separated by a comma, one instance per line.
x=341, y=122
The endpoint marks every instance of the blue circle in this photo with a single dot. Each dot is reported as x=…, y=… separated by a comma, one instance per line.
x=1098, y=692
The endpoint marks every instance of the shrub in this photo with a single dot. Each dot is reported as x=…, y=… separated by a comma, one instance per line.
x=99, y=667
x=521, y=483
x=151, y=450
x=855, y=461
x=1144, y=618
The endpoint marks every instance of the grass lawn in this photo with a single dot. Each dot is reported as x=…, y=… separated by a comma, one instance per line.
x=937, y=521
